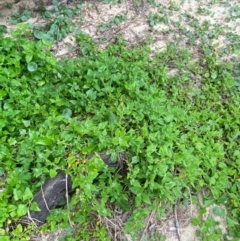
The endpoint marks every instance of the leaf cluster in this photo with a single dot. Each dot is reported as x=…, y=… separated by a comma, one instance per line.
x=177, y=136
x=59, y=23
x=114, y=21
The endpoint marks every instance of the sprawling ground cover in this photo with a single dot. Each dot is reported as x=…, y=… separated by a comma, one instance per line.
x=175, y=114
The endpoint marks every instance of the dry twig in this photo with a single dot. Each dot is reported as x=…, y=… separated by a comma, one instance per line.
x=69, y=219
x=144, y=231
x=176, y=221
x=43, y=195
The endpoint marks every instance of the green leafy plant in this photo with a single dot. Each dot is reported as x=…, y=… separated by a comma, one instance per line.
x=18, y=18
x=3, y=30
x=155, y=18
x=177, y=136
x=60, y=23
x=115, y=20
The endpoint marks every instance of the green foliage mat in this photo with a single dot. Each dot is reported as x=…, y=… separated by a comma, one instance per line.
x=180, y=134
